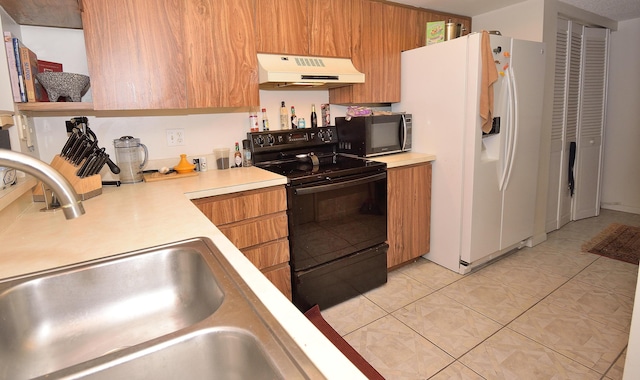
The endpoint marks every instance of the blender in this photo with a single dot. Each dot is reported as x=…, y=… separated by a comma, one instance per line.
x=130, y=158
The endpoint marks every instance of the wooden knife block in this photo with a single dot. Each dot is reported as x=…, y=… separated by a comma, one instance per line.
x=86, y=188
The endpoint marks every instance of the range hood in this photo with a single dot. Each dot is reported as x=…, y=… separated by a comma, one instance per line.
x=294, y=72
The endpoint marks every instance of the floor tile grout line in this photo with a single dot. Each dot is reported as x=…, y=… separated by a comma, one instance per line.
x=503, y=326
x=462, y=364
x=509, y=324
x=556, y=351
x=614, y=361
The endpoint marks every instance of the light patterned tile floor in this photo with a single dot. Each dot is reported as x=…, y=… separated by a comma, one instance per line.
x=547, y=312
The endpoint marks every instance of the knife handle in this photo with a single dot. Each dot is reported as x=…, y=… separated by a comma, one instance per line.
x=113, y=167
x=83, y=169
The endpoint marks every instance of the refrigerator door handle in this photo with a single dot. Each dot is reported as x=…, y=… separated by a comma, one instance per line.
x=513, y=124
x=507, y=130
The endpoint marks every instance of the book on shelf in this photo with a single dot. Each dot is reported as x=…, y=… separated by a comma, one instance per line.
x=46, y=67
x=15, y=47
x=29, y=70
x=13, y=70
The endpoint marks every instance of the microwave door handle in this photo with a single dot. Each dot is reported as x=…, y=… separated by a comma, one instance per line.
x=339, y=185
x=403, y=133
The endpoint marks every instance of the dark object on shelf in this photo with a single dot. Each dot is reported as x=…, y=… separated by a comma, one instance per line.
x=69, y=85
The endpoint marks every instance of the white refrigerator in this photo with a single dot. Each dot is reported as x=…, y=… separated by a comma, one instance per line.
x=483, y=187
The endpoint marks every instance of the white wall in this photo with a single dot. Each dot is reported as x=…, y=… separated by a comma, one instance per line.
x=621, y=178
x=203, y=132
x=61, y=45
x=523, y=21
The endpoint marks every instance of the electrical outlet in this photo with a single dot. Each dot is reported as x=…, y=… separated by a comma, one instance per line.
x=175, y=137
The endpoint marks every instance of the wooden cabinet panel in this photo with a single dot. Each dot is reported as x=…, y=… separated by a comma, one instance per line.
x=174, y=54
x=254, y=231
x=268, y=254
x=304, y=27
x=379, y=34
x=222, y=63
x=134, y=52
x=330, y=28
x=409, y=213
x=280, y=277
x=414, y=35
x=282, y=26
x=256, y=223
x=229, y=208
x=375, y=51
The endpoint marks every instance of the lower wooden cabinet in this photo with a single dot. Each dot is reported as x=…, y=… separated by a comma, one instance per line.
x=256, y=222
x=280, y=276
x=409, y=213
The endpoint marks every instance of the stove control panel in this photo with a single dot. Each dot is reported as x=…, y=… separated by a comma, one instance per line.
x=293, y=138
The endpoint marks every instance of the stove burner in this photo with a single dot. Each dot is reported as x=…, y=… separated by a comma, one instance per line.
x=311, y=159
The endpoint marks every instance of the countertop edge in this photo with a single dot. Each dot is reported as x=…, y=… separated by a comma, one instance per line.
x=404, y=159
x=163, y=213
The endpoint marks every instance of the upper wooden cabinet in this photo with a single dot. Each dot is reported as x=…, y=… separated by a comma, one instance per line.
x=173, y=54
x=304, y=27
x=179, y=54
x=375, y=51
x=380, y=32
x=281, y=27
x=222, y=62
x=135, y=53
x=329, y=28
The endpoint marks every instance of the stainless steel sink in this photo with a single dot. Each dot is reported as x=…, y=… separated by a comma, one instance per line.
x=155, y=313
x=214, y=354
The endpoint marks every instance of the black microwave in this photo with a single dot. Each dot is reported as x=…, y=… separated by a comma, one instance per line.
x=367, y=136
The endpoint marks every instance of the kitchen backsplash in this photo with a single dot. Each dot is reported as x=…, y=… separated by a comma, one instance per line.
x=202, y=132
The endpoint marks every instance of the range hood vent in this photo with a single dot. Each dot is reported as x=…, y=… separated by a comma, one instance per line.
x=294, y=72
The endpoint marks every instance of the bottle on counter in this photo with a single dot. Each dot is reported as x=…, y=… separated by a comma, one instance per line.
x=314, y=117
x=237, y=156
x=265, y=120
x=294, y=118
x=246, y=154
x=253, y=122
x=284, y=117
x=302, y=123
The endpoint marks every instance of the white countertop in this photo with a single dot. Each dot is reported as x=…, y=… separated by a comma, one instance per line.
x=136, y=216
x=404, y=159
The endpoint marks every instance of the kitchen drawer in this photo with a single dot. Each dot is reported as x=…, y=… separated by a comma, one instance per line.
x=230, y=208
x=268, y=254
x=280, y=276
x=254, y=231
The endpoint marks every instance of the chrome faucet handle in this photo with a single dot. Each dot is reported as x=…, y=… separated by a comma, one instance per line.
x=71, y=204
x=51, y=203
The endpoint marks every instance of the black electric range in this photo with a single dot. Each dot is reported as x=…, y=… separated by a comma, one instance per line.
x=336, y=208
x=289, y=153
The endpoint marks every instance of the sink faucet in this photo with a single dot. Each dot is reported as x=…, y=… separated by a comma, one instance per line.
x=67, y=196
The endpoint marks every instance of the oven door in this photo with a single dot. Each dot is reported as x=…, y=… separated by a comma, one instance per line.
x=336, y=218
x=337, y=232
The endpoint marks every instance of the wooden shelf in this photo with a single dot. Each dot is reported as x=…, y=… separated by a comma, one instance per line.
x=55, y=106
x=51, y=13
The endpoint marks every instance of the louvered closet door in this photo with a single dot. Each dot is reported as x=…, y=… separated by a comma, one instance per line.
x=577, y=119
x=557, y=125
x=564, y=122
x=593, y=79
